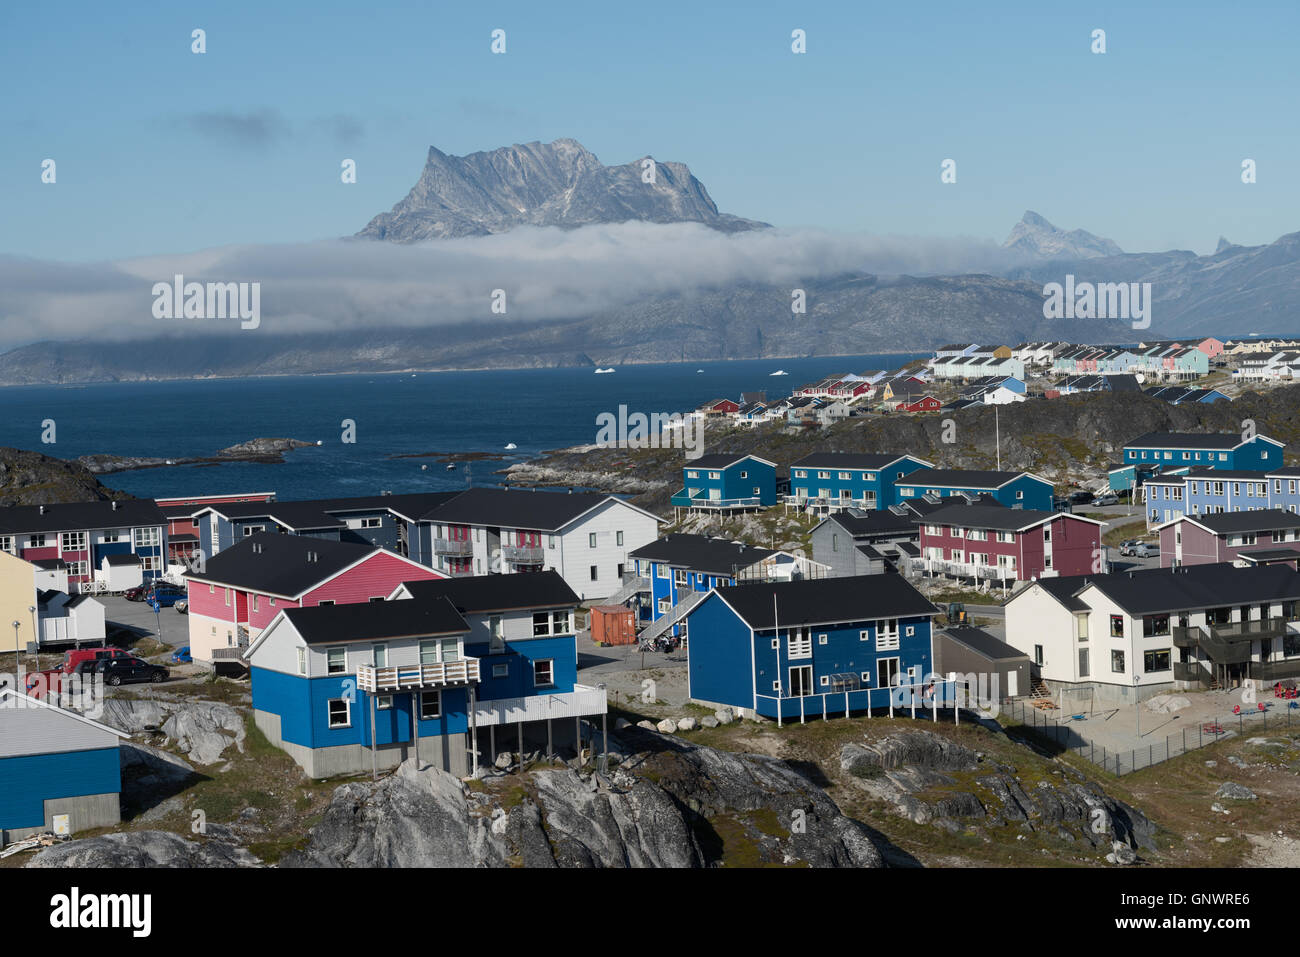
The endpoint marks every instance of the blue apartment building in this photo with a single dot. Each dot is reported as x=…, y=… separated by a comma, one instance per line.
x=725, y=482
x=812, y=647
x=1012, y=489
x=836, y=480
x=1211, y=450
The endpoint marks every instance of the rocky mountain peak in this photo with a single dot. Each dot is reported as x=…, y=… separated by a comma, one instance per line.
x=1034, y=236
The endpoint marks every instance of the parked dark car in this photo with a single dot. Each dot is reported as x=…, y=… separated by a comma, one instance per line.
x=1081, y=497
x=120, y=671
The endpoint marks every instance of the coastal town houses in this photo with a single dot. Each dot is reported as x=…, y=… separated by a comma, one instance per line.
x=677, y=570
x=182, y=525
x=59, y=771
x=1157, y=630
x=446, y=670
x=726, y=482
x=81, y=533
x=585, y=536
x=809, y=648
x=1229, y=536
x=859, y=542
x=998, y=544
x=1214, y=450
x=237, y=593
x=1012, y=489
x=829, y=481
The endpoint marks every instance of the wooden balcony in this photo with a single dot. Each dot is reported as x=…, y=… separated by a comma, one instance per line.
x=440, y=674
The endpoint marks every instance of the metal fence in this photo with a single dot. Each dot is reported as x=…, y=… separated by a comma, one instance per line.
x=1068, y=736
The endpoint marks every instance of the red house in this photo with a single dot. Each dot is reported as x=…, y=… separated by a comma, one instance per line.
x=236, y=593
x=927, y=403
x=1009, y=544
x=720, y=407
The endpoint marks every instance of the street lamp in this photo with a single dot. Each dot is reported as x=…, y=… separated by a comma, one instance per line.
x=18, y=664
x=1137, y=708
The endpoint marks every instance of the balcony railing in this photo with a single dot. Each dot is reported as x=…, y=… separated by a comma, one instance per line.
x=1190, y=672
x=581, y=701
x=452, y=546
x=1250, y=630
x=830, y=501
x=522, y=554
x=1275, y=670
x=964, y=569
x=683, y=500
x=439, y=674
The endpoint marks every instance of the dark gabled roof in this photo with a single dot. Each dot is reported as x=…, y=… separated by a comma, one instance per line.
x=982, y=643
x=958, y=478
x=1219, y=441
x=1186, y=587
x=516, y=508
x=702, y=553
x=123, y=558
x=323, y=512
x=847, y=460
x=376, y=620
x=1205, y=472
x=870, y=551
x=276, y=564
x=1259, y=520
x=872, y=522
x=49, y=564
x=1063, y=590
x=76, y=600
x=997, y=517
x=824, y=601
x=718, y=460
x=475, y=594
x=79, y=516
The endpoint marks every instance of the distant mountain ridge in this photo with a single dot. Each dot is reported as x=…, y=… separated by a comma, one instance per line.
x=544, y=184
x=1034, y=236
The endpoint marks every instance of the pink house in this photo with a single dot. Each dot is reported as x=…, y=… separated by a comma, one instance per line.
x=239, y=590
x=1211, y=347
x=997, y=543
x=1259, y=536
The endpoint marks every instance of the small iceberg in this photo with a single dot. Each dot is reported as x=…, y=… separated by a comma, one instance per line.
x=603, y=371
x=779, y=372
x=697, y=371
x=511, y=445
x=451, y=466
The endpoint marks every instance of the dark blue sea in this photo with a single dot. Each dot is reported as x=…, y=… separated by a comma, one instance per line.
x=536, y=409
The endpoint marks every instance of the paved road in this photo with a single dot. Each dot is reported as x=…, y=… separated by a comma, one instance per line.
x=139, y=618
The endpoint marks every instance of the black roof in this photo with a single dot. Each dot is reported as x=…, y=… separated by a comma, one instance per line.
x=78, y=516
x=814, y=601
x=847, y=460
x=277, y=564
x=874, y=522
x=123, y=558
x=702, y=553
x=981, y=642
x=516, y=508
x=1259, y=520
x=1270, y=554
x=49, y=564
x=1223, y=441
x=479, y=593
x=988, y=516
x=1185, y=588
x=324, y=512
x=370, y=621
x=958, y=478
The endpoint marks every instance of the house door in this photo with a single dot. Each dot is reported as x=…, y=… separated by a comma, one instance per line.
x=801, y=679
x=887, y=672
x=1013, y=683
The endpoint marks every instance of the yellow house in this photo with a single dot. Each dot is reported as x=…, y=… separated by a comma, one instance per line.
x=17, y=597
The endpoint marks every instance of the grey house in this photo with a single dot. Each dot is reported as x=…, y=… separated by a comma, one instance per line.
x=836, y=541
x=973, y=651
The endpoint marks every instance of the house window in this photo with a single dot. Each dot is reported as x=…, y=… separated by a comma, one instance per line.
x=618, y=539
x=1083, y=662
x=1117, y=626
x=550, y=540
x=227, y=592
x=1155, y=660
x=372, y=522
x=450, y=649
x=1081, y=627
x=253, y=529
x=821, y=639
x=1117, y=662
x=430, y=705
x=680, y=576
x=379, y=655
x=384, y=702
x=72, y=541
x=661, y=571
x=144, y=537
x=325, y=602
x=336, y=660
x=1154, y=625
x=339, y=713
x=544, y=673
x=302, y=661
x=429, y=652
x=1038, y=655
x=799, y=643
x=255, y=598
x=594, y=574
x=591, y=540
x=501, y=671
x=887, y=634
x=665, y=605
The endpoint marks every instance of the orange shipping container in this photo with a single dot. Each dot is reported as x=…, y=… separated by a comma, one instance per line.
x=613, y=625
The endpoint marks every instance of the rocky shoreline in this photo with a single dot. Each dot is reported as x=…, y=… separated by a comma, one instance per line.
x=267, y=451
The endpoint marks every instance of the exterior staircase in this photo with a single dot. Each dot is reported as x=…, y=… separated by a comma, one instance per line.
x=672, y=616
x=630, y=588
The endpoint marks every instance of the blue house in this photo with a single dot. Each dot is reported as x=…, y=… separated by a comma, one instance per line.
x=438, y=673
x=1284, y=489
x=831, y=481
x=1012, y=489
x=726, y=482
x=1212, y=491
x=1165, y=497
x=813, y=647
x=1212, y=450
x=56, y=768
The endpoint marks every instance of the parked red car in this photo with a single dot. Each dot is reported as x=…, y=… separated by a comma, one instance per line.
x=39, y=682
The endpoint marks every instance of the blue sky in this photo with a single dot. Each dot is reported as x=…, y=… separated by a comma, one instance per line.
x=160, y=150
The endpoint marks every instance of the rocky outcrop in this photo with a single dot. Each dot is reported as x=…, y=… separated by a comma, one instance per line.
x=265, y=451
x=201, y=729
x=30, y=478
x=143, y=849
x=931, y=780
